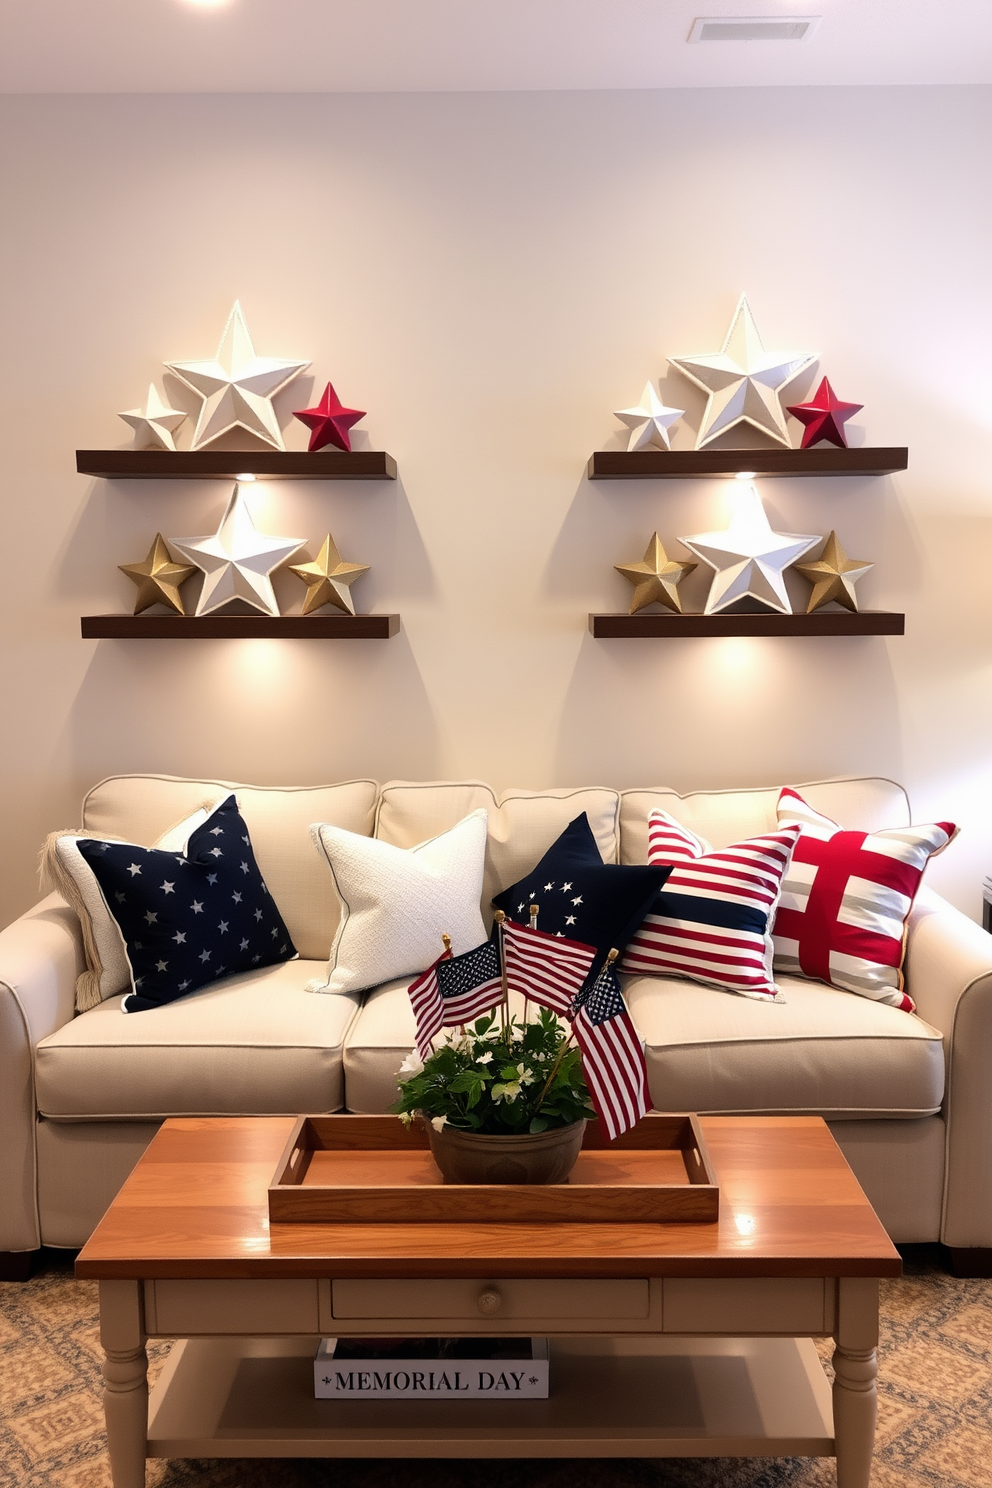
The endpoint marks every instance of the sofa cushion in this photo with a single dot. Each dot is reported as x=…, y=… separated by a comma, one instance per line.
x=397, y=903
x=725, y=816
x=522, y=824
x=141, y=807
x=821, y=1052
x=255, y=1044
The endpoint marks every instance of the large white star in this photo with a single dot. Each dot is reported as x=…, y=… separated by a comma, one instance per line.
x=237, y=560
x=649, y=423
x=155, y=424
x=748, y=558
x=743, y=381
x=237, y=387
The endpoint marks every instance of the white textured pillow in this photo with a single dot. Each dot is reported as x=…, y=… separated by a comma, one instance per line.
x=108, y=972
x=396, y=902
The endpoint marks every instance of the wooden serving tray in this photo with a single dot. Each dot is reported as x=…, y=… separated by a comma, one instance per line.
x=370, y=1169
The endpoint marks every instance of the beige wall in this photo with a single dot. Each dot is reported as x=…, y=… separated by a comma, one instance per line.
x=491, y=275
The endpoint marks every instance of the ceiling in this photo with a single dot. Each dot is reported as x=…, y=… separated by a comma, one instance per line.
x=154, y=46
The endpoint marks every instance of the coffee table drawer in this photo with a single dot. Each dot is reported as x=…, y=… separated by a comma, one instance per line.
x=187, y=1309
x=789, y=1305
x=492, y=1300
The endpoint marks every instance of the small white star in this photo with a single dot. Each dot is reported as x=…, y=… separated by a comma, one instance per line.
x=245, y=868
x=244, y=945
x=222, y=927
x=649, y=423
x=151, y=918
x=211, y=878
x=565, y=887
x=217, y=831
x=155, y=424
x=256, y=958
x=246, y=841
x=215, y=852
x=532, y=896
x=548, y=888
x=220, y=971
x=180, y=937
x=119, y=897
x=168, y=888
x=197, y=906
x=134, y=869
x=570, y=920
x=236, y=897
x=204, y=955
x=521, y=908
x=258, y=914
x=161, y=965
x=275, y=932
x=577, y=900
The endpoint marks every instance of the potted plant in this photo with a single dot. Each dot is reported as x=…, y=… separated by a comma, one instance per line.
x=503, y=1102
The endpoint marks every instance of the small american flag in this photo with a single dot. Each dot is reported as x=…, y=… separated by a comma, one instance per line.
x=548, y=969
x=454, y=990
x=612, y=1055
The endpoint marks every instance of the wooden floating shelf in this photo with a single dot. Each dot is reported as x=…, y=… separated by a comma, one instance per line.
x=239, y=627
x=658, y=464
x=820, y=623
x=228, y=465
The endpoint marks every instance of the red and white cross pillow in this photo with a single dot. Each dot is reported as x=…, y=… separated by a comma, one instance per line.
x=712, y=920
x=846, y=898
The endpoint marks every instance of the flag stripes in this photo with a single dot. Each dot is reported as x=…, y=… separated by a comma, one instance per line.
x=612, y=1055
x=548, y=969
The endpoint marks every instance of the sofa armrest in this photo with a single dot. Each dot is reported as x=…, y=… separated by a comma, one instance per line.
x=41, y=955
x=949, y=977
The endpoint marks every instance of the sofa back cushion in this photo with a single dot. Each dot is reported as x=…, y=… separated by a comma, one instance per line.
x=141, y=807
x=522, y=824
x=866, y=803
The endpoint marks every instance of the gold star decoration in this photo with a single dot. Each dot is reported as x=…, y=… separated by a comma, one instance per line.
x=656, y=578
x=158, y=578
x=833, y=576
x=328, y=579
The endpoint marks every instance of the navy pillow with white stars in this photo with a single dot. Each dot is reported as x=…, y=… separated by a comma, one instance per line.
x=190, y=918
x=580, y=896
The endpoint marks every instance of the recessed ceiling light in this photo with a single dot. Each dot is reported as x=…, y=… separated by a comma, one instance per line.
x=753, y=28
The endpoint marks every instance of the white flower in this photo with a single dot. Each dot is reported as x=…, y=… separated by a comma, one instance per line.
x=437, y=1122
x=407, y=1119
x=485, y=1058
x=507, y=1092
x=524, y=1076
x=412, y=1065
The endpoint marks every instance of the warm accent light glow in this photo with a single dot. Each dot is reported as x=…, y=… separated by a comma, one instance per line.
x=207, y=4
x=745, y=475
x=746, y=1224
x=246, y=475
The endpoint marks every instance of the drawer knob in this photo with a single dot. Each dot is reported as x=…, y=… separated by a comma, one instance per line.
x=490, y=1302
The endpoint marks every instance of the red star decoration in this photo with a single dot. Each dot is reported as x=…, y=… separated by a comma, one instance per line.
x=330, y=421
x=824, y=416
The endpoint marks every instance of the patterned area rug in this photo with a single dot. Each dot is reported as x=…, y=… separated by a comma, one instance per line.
x=934, y=1431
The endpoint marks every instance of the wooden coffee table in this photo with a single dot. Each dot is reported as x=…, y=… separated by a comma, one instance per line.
x=668, y=1340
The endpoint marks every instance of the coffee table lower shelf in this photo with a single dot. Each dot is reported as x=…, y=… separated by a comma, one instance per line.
x=621, y=1397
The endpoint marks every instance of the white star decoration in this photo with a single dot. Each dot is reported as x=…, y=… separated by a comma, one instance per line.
x=155, y=424
x=237, y=560
x=649, y=424
x=748, y=558
x=237, y=387
x=743, y=381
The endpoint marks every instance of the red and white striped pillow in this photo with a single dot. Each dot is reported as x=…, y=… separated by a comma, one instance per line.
x=712, y=920
x=846, y=898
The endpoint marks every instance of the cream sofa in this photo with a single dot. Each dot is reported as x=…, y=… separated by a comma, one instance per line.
x=909, y=1098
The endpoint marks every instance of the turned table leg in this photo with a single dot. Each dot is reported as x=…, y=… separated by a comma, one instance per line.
x=125, y=1393
x=855, y=1368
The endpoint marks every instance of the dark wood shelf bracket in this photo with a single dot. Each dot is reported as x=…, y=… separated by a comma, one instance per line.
x=239, y=627
x=821, y=623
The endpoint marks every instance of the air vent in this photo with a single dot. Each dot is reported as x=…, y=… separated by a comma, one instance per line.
x=753, y=28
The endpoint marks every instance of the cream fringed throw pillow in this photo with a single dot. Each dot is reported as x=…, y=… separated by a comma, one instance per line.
x=63, y=867
x=397, y=902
